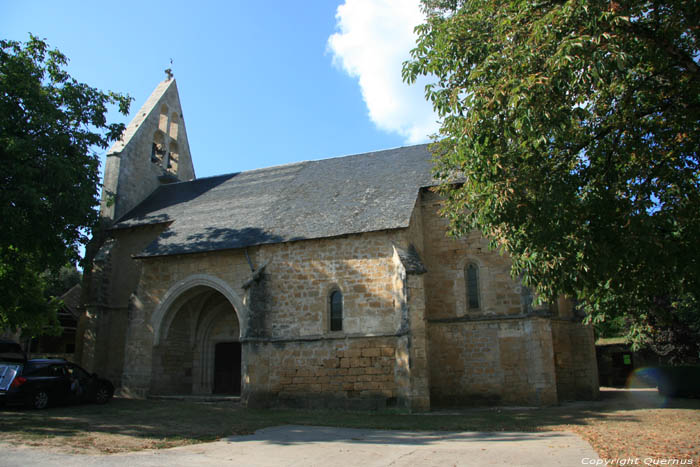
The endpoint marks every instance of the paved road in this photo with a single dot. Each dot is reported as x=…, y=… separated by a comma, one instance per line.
x=328, y=447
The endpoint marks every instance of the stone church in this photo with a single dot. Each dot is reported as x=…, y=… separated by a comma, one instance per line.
x=321, y=283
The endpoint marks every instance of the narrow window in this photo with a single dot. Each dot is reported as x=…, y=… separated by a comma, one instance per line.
x=163, y=119
x=472, y=278
x=158, y=148
x=173, y=126
x=154, y=152
x=173, y=157
x=336, y=311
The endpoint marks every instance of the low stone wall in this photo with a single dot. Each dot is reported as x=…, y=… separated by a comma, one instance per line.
x=492, y=362
x=358, y=373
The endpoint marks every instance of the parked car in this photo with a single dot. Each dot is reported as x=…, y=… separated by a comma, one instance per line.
x=38, y=383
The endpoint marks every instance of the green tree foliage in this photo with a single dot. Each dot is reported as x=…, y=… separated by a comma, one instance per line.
x=50, y=129
x=572, y=129
x=59, y=283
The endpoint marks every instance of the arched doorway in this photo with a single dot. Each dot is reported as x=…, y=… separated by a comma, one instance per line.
x=197, y=347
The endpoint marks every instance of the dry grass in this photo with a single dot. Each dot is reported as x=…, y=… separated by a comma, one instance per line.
x=634, y=423
x=640, y=424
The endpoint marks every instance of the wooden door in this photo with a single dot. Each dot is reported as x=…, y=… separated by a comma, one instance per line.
x=227, y=368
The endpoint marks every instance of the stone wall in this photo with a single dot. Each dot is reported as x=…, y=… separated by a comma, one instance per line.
x=173, y=359
x=301, y=275
x=292, y=289
x=166, y=285
x=496, y=353
x=407, y=338
x=284, y=315
x=125, y=273
x=115, y=276
x=344, y=373
x=446, y=258
x=492, y=362
x=575, y=360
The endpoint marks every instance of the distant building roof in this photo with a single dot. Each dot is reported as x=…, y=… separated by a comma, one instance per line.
x=314, y=199
x=611, y=341
x=71, y=300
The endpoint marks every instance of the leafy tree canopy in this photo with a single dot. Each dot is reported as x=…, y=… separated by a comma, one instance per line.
x=58, y=283
x=572, y=130
x=50, y=129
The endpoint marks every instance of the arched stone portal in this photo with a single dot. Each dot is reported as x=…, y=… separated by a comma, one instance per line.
x=197, y=341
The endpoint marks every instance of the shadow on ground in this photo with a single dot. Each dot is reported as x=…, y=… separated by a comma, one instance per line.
x=292, y=435
x=189, y=421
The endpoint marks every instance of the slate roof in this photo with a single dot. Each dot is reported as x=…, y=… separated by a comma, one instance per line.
x=305, y=200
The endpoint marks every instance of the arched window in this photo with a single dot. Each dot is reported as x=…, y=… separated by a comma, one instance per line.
x=158, y=148
x=336, y=310
x=163, y=119
x=471, y=276
x=173, y=159
x=174, y=122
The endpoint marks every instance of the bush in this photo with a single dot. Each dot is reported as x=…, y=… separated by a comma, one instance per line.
x=679, y=381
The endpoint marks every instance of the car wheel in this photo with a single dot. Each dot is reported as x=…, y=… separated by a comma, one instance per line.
x=103, y=395
x=40, y=400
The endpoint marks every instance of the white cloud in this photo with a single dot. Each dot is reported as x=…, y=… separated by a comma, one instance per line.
x=374, y=38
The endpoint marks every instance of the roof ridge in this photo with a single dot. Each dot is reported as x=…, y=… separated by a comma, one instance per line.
x=378, y=151
x=307, y=161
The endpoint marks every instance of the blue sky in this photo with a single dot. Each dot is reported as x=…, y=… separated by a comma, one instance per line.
x=260, y=84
